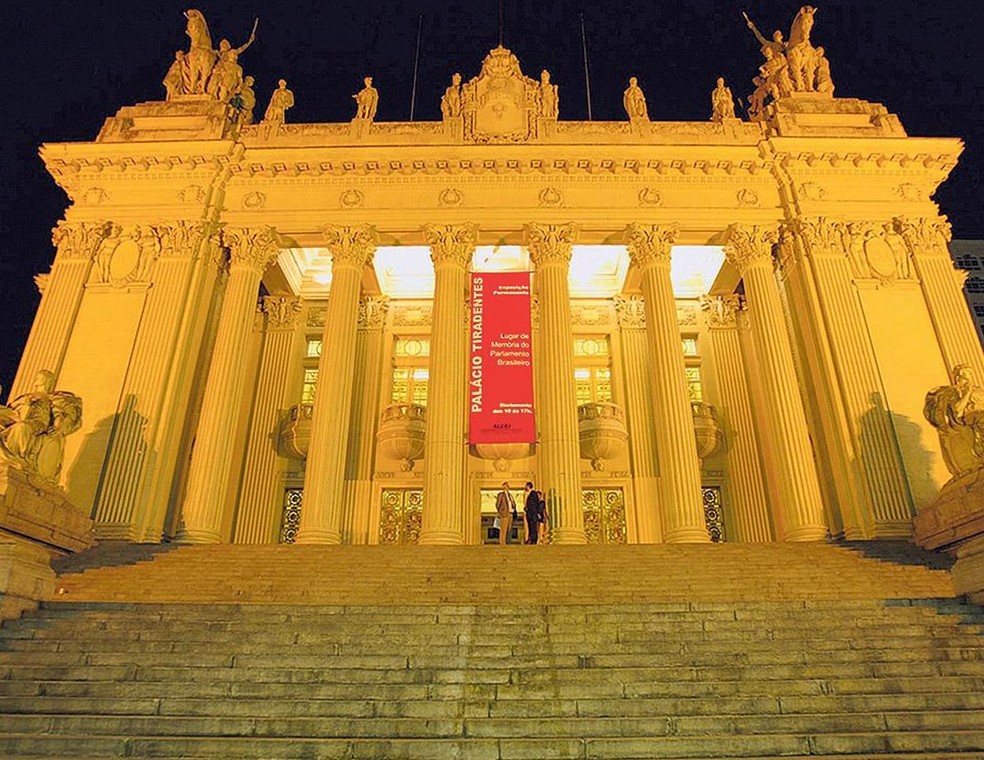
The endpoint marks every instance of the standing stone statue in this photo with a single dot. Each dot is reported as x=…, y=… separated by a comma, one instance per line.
x=201, y=57
x=549, y=100
x=176, y=80
x=227, y=74
x=366, y=100
x=634, y=100
x=722, y=104
x=244, y=101
x=34, y=425
x=451, y=100
x=280, y=101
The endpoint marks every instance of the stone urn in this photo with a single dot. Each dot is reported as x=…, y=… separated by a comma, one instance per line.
x=601, y=431
x=707, y=430
x=503, y=453
x=295, y=433
x=401, y=433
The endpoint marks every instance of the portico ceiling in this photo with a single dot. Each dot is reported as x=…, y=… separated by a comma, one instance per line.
x=596, y=271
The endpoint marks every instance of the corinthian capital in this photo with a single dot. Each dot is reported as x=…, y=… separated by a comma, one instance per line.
x=925, y=237
x=749, y=245
x=451, y=244
x=350, y=245
x=78, y=240
x=649, y=244
x=551, y=243
x=281, y=311
x=251, y=247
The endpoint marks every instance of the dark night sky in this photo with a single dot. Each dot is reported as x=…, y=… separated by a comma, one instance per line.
x=65, y=66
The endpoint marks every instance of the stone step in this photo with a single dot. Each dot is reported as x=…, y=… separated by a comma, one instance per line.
x=621, y=748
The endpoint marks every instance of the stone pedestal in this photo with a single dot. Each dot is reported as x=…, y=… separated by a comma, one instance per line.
x=26, y=577
x=187, y=117
x=955, y=523
x=36, y=513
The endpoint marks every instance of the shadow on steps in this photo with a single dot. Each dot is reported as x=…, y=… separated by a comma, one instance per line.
x=110, y=554
x=899, y=553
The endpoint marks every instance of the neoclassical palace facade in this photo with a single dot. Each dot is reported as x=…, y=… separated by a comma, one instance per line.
x=734, y=323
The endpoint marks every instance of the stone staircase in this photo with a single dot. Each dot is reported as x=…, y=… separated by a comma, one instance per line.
x=312, y=653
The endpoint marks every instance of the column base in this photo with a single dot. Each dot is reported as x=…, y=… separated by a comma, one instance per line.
x=806, y=533
x=571, y=536
x=440, y=538
x=687, y=535
x=313, y=536
x=197, y=536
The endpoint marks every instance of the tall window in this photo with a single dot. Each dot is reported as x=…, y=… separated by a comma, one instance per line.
x=312, y=352
x=410, y=373
x=592, y=370
x=691, y=358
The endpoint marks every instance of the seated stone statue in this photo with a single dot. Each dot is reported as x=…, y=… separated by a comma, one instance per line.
x=957, y=413
x=33, y=428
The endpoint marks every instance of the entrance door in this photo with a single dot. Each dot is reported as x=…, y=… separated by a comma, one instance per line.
x=604, y=515
x=400, y=515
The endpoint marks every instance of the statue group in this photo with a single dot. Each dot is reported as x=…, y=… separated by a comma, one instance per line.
x=33, y=427
x=544, y=96
x=790, y=66
x=957, y=413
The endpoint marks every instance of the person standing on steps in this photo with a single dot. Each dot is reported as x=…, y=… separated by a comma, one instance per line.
x=542, y=518
x=531, y=509
x=505, y=507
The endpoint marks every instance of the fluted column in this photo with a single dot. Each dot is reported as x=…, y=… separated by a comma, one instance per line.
x=928, y=241
x=638, y=369
x=123, y=501
x=679, y=466
x=749, y=248
x=550, y=247
x=251, y=250
x=745, y=471
x=369, y=368
x=61, y=295
x=261, y=492
x=351, y=249
x=443, y=519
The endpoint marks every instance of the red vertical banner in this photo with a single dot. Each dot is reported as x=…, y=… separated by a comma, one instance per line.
x=500, y=368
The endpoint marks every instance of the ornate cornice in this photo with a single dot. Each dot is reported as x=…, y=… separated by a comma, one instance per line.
x=350, y=245
x=251, y=247
x=451, y=244
x=282, y=311
x=631, y=312
x=749, y=245
x=551, y=243
x=650, y=244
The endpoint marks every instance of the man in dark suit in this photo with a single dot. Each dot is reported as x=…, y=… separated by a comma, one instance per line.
x=505, y=506
x=531, y=509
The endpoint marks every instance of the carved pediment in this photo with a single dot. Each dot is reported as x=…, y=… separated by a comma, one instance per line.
x=500, y=104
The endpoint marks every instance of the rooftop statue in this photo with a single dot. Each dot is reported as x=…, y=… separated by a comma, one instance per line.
x=33, y=428
x=227, y=75
x=244, y=101
x=366, y=100
x=722, y=103
x=451, y=100
x=634, y=101
x=549, y=100
x=957, y=413
x=280, y=101
x=790, y=67
x=201, y=56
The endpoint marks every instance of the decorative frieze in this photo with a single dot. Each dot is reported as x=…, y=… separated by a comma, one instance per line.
x=126, y=256
x=722, y=311
x=282, y=311
x=630, y=312
x=372, y=312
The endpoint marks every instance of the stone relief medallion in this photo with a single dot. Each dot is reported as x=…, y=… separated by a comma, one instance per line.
x=650, y=197
x=351, y=199
x=880, y=257
x=254, y=200
x=550, y=196
x=812, y=191
x=747, y=197
x=192, y=194
x=95, y=196
x=449, y=196
x=499, y=104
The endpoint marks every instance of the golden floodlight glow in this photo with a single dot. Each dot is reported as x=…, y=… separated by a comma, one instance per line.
x=693, y=269
x=404, y=271
x=598, y=271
